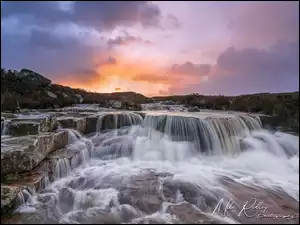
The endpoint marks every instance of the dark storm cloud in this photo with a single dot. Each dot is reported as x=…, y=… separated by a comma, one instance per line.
x=46, y=39
x=53, y=54
x=44, y=52
x=99, y=15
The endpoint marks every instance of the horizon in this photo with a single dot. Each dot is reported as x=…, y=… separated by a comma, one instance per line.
x=156, y=48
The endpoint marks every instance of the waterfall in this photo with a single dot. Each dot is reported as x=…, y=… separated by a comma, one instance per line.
x=4, y=127
x=171, y=167
x=210, y=135
x=117, y=120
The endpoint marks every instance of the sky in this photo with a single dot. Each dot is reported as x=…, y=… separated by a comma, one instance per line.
x=156, y=48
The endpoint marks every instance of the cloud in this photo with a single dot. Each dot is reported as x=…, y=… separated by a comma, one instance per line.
x=127, y=40
x=280, y=60
x=190, y=68
x=171, y=22
x=247, y=70
x=46, y=39
x=263, y=23
x=47, y=53
x=99, y=15
x=70, y=45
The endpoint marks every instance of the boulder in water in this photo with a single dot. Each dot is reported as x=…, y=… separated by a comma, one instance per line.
x=194, y=109
x=189, y=214
x=142, y=193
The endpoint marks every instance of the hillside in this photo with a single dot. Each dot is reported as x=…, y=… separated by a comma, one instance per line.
x=27, y=89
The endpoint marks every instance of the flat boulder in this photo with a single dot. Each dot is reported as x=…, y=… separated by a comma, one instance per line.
x=73, y=123
x=36, y=179
x=74, y=155
x=29, y=126
x=20, y=154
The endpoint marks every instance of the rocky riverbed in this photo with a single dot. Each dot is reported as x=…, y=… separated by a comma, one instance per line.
x=88, y=164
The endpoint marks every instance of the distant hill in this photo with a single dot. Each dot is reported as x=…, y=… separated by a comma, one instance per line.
x=28, y=89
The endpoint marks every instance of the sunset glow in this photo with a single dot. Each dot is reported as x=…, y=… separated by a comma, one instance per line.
x=157, y=48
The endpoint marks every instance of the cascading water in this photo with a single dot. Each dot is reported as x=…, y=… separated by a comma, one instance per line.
x=117, y=120
x=176, y=168
x=4, y=128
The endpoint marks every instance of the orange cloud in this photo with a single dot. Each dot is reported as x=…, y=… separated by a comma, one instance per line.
x=142, y=76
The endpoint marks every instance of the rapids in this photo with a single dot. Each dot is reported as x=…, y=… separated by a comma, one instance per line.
x=172, y=167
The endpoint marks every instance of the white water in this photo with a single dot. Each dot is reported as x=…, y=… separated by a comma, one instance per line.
x=173, y=160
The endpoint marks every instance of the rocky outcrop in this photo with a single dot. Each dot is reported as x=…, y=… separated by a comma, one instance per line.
x=31, y=77
x=28, y=126
x=73, y=123
x=20, y=154
x=28, y=89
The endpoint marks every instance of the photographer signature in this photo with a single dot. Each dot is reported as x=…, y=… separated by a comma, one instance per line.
x=250, y=209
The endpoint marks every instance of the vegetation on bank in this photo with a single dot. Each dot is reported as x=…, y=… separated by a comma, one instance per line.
x=27, y=89
x=283, y=106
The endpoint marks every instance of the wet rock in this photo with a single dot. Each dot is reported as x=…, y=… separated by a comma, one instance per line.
x=25, y=218
x=118, y=120
x=194, y=109
x=73, y=123
x=114, y=148
x=73, y=154
x=142, y=114
x=276, y=202
x=29, y=126
x=20, y=154
x=36, y=179
x=269, y=122
x=189, y=214
x=131, y=106
x=91, y=124
x=142, y=193
x=7, y=115
x=191, y=193
x=20, y=128
x=9, y=196
x=115, y=104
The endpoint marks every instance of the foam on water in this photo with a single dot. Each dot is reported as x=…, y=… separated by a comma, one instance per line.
x=136, y=173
